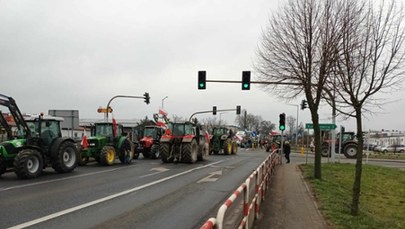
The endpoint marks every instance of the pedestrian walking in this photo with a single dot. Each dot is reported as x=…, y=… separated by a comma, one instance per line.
x=287, y=151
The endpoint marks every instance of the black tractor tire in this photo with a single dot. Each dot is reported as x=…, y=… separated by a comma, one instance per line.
x=190, y=152
x=204, y=152
x=3, y=166
x=126, y=152
x=28, y=164
x=350, y=150
x=154, y=152
x=325, y=152
x=107, y=155
x=165, y=152
x=66, y=157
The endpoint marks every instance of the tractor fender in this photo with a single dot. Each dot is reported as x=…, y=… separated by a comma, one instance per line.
x=165, y=138
x=188, y=138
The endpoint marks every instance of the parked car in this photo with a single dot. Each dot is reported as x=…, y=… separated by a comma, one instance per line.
x=393, y=148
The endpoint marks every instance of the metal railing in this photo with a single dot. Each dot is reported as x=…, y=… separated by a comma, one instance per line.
x=241, y=213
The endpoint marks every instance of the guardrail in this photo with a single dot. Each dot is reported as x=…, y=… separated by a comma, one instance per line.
x=237, y=212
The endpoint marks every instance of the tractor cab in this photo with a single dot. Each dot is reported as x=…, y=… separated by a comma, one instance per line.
x=44, y=129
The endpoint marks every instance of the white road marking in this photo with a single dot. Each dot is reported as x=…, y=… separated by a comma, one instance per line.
x=60, y=179
x=210, y=177
x=79, y=207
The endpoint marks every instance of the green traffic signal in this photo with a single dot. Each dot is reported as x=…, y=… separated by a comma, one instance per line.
x=246, y=80
x=202, y=80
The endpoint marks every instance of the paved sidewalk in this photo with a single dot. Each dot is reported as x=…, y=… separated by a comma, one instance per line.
x=289, y=203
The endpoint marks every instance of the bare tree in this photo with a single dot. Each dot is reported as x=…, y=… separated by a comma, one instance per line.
x=370, y=61
x=248, y=121
x=297, y=52
x=291, y=124
x=266, y=127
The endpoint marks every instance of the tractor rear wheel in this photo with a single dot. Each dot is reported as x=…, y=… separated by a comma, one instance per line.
x=126, y=152
x=234, y=148
x=190, y=153
x=350, y=150
x=227, y=147
x=28, y=164
x=107, y=155
x=165, y=152
x=65, y=158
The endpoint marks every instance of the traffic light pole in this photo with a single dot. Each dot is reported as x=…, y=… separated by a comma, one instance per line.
x=121, y=96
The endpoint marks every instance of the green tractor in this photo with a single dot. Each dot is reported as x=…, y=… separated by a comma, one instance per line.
x=222, y=141
x=107, y=142
x=34, y=143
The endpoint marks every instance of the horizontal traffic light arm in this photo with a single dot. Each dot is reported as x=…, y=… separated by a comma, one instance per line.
x=210, y=111
x=253, y=82
x=122, y=96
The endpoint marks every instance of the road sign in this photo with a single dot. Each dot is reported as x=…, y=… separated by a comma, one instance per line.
x=104, y=110
x=322, y=126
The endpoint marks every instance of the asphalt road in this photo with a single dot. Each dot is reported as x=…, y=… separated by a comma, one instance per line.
x=145, y=194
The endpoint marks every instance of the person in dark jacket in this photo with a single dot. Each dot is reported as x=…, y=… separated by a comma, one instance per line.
x=287, y=151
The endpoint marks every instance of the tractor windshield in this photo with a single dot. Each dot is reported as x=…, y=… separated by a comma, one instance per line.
x=219, y=131
x=180, y=129
x=151, y=132
x=104, y=130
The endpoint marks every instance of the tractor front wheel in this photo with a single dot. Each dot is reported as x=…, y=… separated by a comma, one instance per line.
x=325, y=151
x=165, y=152
x=154, y=151
x=28, y=164
x=3, y=165
x=65, y=159
x=126, y=152
x=107, y=155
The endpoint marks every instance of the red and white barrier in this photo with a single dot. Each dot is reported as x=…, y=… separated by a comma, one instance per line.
x=260, y=179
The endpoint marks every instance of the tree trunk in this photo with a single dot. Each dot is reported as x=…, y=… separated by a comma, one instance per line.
x=318, y=156
x=359, y=164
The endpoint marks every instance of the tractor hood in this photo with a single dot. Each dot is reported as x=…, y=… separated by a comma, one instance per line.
x=16, y=143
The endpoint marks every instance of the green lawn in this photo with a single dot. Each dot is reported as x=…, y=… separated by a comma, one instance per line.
x=382, y=202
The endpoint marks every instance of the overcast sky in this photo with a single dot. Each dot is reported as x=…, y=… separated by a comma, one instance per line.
x=78, y=54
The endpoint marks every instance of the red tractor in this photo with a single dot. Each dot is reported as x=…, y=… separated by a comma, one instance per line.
x=150, y=142
x=184, y=142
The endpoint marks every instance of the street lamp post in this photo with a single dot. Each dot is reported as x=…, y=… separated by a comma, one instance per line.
x=164, y=100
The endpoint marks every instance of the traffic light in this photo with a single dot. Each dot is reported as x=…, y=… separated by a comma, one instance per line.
x=246, y=80
x=202, y=80
x=147, y=98
x=214, y=110
x=304, y=104
x=238, y=110
x=282, y=122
